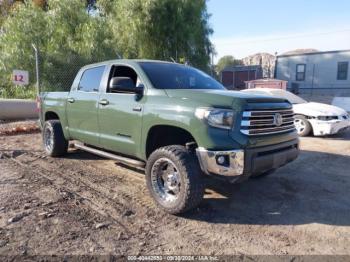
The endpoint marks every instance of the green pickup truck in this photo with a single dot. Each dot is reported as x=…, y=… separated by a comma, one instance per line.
x=173, y=120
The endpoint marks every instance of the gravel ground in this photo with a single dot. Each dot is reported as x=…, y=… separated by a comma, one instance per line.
x=18, y=127
x=83, y=204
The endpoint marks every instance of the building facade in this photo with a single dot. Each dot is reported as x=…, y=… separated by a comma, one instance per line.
x=234, y=77
x=316, y=72
x=265, y=60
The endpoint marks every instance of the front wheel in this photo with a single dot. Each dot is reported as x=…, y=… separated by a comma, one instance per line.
x=302, y=125
x=174, y=179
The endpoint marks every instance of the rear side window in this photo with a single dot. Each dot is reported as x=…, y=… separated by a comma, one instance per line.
x=91, y=78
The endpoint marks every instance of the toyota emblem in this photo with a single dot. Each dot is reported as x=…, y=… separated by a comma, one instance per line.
x=277, y=119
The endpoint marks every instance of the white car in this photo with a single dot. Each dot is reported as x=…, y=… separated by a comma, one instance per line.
x=321, y=119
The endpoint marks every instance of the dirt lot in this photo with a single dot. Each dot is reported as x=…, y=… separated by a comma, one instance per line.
x=82, y=204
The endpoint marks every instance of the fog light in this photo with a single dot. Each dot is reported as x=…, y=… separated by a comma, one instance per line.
x=221, y=160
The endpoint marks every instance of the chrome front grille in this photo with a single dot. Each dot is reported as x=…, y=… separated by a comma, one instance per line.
x=265, y=122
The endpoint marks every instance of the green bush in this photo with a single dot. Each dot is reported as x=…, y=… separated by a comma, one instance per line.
x=20, y=92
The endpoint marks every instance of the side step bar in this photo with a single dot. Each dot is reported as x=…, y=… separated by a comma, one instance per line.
x=120, y=159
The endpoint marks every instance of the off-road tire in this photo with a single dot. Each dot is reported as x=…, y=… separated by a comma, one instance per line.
x=59, y=143
x=307, y=126
x=192, y=180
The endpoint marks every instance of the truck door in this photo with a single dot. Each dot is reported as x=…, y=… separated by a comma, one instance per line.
x=120, y=115
x=82, y=107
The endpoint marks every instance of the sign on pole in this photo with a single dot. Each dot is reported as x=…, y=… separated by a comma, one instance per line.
x=20, y=77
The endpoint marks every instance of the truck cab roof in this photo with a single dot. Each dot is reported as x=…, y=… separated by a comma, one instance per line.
x=126, y=62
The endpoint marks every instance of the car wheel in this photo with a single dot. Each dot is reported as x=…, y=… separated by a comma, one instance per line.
x=302, y=125
x=174, y=179
x=54, y=141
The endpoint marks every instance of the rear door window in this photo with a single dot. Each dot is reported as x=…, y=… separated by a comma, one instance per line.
x=91, y=79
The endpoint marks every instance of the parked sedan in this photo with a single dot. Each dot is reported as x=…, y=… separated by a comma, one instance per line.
x=318, y=118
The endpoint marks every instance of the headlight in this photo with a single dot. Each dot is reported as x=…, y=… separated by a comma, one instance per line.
x=326, y=118
x=221, y=118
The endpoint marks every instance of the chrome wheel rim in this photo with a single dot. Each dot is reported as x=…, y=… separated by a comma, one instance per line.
x=165, y=180
x=299, y=125
x=48, y=139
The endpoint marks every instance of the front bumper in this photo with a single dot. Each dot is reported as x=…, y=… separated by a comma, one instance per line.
x=321, y=128
x=248, y=162
x=234, y=165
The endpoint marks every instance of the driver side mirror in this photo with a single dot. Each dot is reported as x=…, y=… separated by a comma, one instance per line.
x=124, y=85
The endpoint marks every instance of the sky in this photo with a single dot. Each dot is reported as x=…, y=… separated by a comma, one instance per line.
x=243, y=28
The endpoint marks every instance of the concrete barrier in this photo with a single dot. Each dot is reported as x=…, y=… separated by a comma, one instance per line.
x=17, y=109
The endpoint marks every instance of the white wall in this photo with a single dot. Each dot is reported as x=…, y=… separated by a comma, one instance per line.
x=321, y=70
x=11, y=109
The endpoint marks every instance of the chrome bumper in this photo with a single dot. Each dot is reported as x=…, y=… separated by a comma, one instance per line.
x=321, y=128
x=209, y=165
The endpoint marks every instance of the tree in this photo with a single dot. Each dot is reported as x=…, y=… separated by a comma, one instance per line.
x=66, y=35
x=73, y=33
x=227, y=61
x=6, y=6
x=91, y=6
x=166, y=30
x=27, y=25
x=41, y=3
x=5, y=9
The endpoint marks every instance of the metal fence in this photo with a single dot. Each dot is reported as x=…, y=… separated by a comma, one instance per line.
x=17, y=75
x=57, y=72
x=53, y=72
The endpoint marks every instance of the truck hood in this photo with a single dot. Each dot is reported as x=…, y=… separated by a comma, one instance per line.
x=220, y=97
x=318, y=109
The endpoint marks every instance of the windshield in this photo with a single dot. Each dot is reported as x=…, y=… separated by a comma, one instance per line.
x=176, y=76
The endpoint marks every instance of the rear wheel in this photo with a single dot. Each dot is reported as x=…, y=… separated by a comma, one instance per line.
x=174, y=179
x=302, y=125
x=54, y=141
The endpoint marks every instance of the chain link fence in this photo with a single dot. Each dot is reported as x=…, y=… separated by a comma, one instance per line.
x=58, y=73
x=55, y=72
x=25, y=87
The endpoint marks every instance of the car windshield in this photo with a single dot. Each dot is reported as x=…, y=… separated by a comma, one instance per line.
x=176, y=76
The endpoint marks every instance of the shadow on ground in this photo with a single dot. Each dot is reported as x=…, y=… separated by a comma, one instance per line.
x=312, y=189
x=82, y=155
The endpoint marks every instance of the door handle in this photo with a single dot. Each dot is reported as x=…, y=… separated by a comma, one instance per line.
x=104, y=102
x=137, y=108
x=70, y=99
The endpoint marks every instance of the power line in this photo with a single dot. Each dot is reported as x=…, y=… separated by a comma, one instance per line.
x=286, y=37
